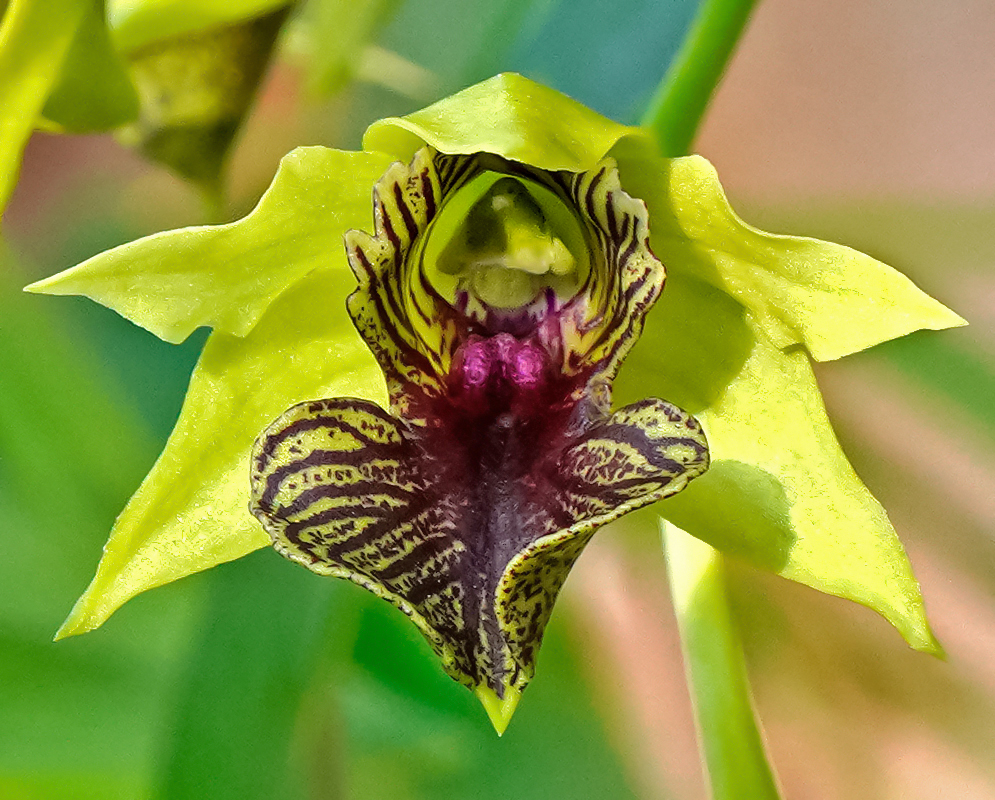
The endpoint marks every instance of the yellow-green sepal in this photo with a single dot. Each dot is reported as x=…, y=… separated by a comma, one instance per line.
x=730, y=341
x=828, y=297
x=273, y=285
x=191, y=512
x=227, y=276
x=780, y=493
x=509, y=116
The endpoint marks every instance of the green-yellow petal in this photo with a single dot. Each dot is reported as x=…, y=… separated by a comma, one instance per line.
x=191, y=512
x=226, y=276
x=831, y=298
x=780, y=493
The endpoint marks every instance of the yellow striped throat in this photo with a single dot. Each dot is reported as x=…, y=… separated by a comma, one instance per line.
x=499, y=301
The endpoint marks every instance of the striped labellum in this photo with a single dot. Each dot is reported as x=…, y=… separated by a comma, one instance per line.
x=499, y=301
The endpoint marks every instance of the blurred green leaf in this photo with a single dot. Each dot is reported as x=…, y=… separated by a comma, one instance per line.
x=195, y=90
x=85, y=444
x=94, y=92
x=136, y=23
x=79, y=719
x=35, y=38
x=732, y=748
x=338, y=31
x=247, y=680
x=961, y=374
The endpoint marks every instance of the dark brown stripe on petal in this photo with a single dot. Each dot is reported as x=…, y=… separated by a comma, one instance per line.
x=402, y=207
x=428, y=191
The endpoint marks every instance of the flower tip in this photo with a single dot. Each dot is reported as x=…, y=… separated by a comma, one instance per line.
x=499, y=710
x=70, y=627
x=55, y=284
x=38, y=287
x=932, y=646
x=83, y=618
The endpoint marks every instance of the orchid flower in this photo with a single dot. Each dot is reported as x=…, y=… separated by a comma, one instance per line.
x=419, y=394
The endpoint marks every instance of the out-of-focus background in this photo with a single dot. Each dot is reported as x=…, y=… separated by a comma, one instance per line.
x=866, y=123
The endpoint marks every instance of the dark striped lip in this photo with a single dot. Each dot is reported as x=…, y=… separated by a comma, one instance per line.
x=467, y=503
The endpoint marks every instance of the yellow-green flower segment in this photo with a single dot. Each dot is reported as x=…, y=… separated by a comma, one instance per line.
x=729, y=341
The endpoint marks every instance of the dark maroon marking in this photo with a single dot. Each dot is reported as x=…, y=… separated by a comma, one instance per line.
x=402, y=206
x=625, y=233
x=589, y=196
x=432, y=584
x=359, y=490
x=412, y=357
x=388, y=230
x=324, y=458
x=391, y=293
x=433, y=545
x=387, y=522
x=610, y=213
x=359, y=253
x=429, y=194
x=637, y=439
x=633, y=242
x=299, y=426
x=440, y=307
x=616, y=494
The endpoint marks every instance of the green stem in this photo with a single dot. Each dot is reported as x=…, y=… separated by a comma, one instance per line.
x=676, y=110
x=732, y=746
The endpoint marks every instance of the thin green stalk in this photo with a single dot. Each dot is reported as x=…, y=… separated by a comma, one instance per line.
x=683, y=95
x=732, y=746
x=735, y=762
